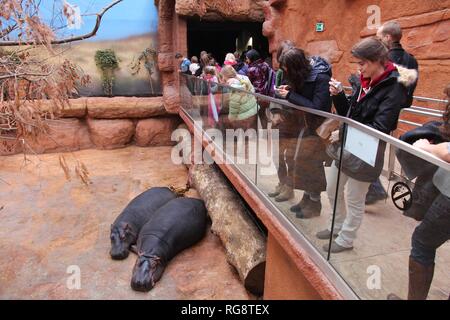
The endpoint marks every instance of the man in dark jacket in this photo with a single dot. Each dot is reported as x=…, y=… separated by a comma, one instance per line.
x=391, y=34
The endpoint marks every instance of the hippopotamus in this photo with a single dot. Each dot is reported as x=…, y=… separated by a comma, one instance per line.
x=125, y=230
x=176, y=226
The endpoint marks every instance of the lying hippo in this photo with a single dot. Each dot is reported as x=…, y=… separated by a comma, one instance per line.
x=178, y=225
x=125, y=230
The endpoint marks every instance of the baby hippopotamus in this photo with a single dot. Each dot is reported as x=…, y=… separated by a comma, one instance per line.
x=176, y=226
x=125, y=230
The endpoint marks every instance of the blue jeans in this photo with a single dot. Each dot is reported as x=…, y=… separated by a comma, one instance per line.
x=433, y=232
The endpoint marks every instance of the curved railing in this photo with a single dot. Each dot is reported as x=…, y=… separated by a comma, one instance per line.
x=291, y=151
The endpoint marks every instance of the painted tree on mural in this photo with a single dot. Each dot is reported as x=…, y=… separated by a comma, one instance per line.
x=35, y=82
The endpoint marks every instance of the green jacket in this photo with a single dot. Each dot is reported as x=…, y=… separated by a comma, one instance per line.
x=242, y=105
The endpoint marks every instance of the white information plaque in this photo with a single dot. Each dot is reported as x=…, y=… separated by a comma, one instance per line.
x=362, y=145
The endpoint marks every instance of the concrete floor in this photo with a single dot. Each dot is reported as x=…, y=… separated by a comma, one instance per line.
x=383, y=242
x=49, y=224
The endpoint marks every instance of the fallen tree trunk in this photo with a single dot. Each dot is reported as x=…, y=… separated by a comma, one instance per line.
x=243, y=242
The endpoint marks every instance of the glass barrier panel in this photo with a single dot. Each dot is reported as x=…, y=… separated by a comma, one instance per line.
x=375, y=221
x=240, y=129
x=292, y=169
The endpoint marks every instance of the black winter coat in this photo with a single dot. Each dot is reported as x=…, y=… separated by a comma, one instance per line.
x=399, y=56
x=309, y=174
x=315, y=93
x=380, y=108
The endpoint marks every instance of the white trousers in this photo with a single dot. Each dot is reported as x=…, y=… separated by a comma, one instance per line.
x=349, y=209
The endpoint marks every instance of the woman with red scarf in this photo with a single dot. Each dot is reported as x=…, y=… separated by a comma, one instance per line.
x=376, y=103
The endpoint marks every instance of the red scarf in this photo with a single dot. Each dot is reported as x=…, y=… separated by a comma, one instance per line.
x=367, y=83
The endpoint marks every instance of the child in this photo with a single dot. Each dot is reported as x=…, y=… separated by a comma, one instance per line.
x=243, y=107
x=184, y=63
x=209, y=74
x=194, y=67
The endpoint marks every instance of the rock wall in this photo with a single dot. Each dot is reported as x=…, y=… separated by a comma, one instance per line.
x=426, y=27
x=101, y=123
x=172, y=33
x=217, y=10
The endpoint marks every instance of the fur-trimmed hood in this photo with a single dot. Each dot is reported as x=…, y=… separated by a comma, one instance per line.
x=407, y=77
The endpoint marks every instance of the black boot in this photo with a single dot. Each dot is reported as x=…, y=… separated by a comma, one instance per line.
x=298, y=207
x=310, y=210
x=420, y=278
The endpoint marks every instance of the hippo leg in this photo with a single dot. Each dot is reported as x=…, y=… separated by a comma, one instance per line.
x=146, y=272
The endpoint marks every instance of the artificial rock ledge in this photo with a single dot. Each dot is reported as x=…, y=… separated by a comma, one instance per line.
x=101, y=123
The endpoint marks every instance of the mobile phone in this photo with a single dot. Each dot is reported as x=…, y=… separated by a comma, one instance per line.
x=336, y=84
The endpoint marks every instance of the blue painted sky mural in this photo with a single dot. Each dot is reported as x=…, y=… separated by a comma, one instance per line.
x=128, y=18
x=128, y=29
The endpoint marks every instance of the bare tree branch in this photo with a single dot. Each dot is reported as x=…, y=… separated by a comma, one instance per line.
x=71, y=39
x=24, y=75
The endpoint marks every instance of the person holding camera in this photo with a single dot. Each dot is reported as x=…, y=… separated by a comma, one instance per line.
x=376, y=103
x=307, y=86
x=390, y=33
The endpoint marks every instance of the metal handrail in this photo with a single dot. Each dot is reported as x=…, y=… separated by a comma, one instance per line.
x=331, y=273
x=422, y=113
x=357, y=125
x=418, y=98
x=440, y=112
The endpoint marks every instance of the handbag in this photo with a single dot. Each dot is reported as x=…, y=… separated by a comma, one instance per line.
x=423, y=196
x=353, y=164
x=327, y=128
x=412, y=165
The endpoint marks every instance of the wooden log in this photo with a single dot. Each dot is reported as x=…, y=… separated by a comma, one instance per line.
x=243, y=241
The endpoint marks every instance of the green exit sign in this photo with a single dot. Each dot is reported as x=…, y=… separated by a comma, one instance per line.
x=320, y=27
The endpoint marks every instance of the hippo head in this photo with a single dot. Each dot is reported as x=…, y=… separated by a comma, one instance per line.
x=146, y=272
x=122, y=237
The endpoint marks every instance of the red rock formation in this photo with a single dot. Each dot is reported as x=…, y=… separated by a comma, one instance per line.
x=155, y=132
x=172, y=33
x=166, y=56
x=217, y=10
x=63, y=135
x=111, y=134
x=426, y=32
x=123, y=107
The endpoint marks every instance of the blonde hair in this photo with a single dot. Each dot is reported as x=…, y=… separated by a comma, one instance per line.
x=230, y=57
x=210, y=70
x=228, y=72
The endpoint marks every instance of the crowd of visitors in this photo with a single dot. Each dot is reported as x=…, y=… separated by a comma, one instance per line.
x=384, y=84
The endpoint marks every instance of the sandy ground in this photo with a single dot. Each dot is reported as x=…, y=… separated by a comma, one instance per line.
x=51, y=226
